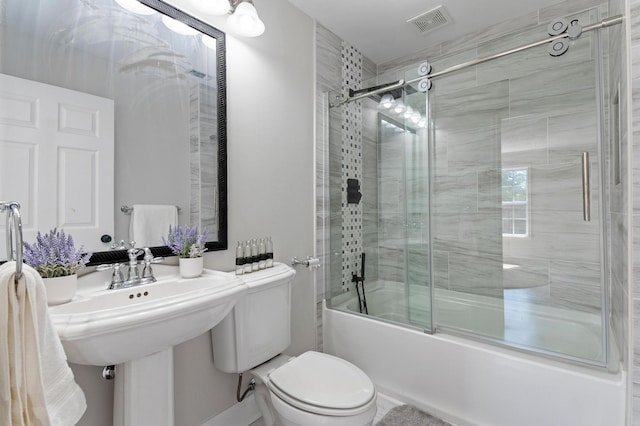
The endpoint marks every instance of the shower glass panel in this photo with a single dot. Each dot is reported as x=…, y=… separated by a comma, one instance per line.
x=472, y=214
x=384, y=154
x=514, y=259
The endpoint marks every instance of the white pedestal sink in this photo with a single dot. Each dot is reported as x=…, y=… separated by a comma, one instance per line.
x=136, y=329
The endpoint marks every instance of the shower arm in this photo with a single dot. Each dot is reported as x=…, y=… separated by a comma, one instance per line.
x=608, y=22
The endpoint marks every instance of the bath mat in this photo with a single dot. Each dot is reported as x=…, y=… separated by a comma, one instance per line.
x=408, y=415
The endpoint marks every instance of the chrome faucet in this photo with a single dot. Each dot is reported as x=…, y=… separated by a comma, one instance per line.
x=134, y=277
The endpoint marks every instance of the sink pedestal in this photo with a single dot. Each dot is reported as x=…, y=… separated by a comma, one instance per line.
x=143, y=391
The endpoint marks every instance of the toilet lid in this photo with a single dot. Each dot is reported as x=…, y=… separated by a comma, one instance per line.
x=324, y=381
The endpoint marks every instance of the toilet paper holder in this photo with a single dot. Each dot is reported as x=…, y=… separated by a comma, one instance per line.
x=310, y=262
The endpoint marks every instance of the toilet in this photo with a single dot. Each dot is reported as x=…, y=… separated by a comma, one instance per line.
x=310, y=389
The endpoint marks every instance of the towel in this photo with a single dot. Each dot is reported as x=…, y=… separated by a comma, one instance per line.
x=150, y=222
x=37, y=387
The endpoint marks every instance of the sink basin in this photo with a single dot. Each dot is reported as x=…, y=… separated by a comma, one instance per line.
x=105, y=327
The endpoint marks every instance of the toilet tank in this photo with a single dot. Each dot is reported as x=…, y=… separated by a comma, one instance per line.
x=259, y=325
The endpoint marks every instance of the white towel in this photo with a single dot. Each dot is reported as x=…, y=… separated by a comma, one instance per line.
x=37, y=387
x=150, y=222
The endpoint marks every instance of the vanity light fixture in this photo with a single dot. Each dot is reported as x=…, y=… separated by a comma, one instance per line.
x=245, y=20
x=177, y=26
x=212, y=7
x=243, y=17
x=136, y=7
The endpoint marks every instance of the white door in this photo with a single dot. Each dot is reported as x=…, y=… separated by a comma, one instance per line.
x=56, y=160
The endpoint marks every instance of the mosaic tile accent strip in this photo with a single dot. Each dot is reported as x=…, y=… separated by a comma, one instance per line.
x=351, y=164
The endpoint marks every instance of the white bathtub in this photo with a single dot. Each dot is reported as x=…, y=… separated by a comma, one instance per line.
x=471, y=383
x=552, y=330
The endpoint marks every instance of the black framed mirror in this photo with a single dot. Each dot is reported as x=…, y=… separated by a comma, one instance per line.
x=169, y=98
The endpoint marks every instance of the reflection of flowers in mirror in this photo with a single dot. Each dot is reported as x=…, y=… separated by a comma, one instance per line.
x=54, y=255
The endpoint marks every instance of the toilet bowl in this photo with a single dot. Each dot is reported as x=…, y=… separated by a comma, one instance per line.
x=311, y=389
x=314, y=389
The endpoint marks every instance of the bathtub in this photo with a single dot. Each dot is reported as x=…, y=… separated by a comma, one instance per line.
x=472, y=383
x=549, y=330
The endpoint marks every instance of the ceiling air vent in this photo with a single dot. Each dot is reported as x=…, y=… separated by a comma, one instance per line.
x=431, y=20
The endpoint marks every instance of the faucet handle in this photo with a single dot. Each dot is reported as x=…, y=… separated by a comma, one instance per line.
x=148, y=257
x=117, y=277
x=134, y=253
x=147, y=271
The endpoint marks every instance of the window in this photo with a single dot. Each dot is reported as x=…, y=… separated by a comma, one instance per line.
x=515, y=202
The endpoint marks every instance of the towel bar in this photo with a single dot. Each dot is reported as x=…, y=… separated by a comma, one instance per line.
x=128, y=210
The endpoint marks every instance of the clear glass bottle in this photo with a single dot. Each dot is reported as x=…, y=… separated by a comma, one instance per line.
x=255, y=259
x=269, y=253
x=262, y=255
x=239, y=259
x=247, y=257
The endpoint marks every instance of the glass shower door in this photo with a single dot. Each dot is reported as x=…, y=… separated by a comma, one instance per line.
x=516, y=257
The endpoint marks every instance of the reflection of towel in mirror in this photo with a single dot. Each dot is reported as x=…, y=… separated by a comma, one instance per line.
x=36, y=384
x=150, y=222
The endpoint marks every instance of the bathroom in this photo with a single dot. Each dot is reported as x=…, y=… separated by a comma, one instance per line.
x=276, y=85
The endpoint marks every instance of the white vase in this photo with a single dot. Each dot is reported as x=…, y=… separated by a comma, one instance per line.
x=60, y=289
x=191, y=267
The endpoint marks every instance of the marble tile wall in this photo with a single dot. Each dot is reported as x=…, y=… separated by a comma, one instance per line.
x=526, y=110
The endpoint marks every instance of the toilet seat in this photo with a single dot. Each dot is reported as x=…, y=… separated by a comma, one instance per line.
x=322, y=384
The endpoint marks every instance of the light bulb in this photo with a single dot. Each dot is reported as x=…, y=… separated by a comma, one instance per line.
x=136, y=7
x=399, y=108
x=408, y=112
x=387, y=101
x=415, y=118
x=212, y=7
x=245, y=21
x=177, y=26
x=422, y=123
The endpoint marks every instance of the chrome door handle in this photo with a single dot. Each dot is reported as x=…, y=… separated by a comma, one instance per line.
x=586, y=187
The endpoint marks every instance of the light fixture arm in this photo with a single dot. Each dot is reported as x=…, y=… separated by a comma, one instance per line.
x=234, y=3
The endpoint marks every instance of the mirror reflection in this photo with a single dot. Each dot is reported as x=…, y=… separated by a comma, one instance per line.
x=106, y=112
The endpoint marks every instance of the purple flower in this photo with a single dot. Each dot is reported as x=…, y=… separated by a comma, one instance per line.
x=185, y=241
x=54, y=255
